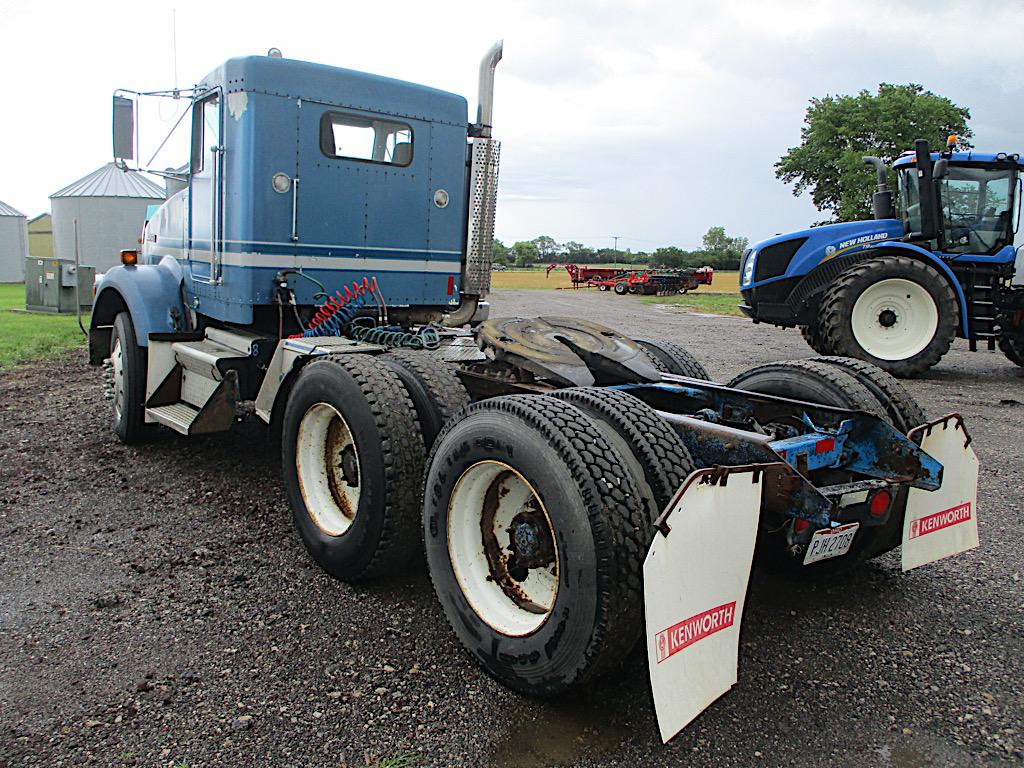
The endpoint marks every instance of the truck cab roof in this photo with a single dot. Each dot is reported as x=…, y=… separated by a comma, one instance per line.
x=338, y=86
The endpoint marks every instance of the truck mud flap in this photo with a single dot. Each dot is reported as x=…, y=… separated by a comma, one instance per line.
x=695, y=584
x=942, y=523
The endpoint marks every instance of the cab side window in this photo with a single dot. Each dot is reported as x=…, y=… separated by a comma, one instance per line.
x=355, y=137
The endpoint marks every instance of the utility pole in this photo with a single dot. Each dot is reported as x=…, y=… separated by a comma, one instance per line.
x=615, y=238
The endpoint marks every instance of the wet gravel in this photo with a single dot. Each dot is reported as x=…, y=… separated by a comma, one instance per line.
x=156, y=609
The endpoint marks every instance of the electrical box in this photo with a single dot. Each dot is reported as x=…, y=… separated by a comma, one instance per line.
x=53, y=285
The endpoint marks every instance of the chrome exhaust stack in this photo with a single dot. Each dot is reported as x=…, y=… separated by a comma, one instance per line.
x=483, y=199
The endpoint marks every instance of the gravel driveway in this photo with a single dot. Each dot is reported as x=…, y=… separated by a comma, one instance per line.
x=156, y=609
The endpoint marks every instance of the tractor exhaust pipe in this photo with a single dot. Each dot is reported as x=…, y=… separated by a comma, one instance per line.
x=881, y=201
x=485, y=92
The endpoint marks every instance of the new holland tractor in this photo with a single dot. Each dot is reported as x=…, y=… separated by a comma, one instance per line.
x=320, y=268
x=896, y=291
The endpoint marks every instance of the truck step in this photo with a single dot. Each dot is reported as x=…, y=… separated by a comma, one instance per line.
x=178, y=416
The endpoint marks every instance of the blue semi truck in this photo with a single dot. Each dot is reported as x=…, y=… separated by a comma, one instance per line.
x=897, y=290
x=324, y=267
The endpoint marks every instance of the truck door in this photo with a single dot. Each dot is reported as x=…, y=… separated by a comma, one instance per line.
x=205, y=220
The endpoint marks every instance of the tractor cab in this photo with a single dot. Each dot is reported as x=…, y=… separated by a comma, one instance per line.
x=976, y=199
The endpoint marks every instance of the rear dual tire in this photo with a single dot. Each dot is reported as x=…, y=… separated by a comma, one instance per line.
x=841, y=383
x=352, y=459
x=583, y=473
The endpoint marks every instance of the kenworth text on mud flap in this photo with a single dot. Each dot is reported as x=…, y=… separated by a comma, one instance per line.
x=330, y=244
x=896, y=291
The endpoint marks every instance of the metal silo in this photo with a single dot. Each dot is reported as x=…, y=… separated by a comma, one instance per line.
x=13, y=244
x=110, y=205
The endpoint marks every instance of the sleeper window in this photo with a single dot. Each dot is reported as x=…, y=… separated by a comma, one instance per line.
x=353, y=137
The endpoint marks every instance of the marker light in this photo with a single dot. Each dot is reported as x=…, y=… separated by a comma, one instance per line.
x=880, y=503
x=129, y=257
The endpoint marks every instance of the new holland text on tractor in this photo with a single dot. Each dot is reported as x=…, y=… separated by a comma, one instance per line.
x=896, y=291
x=320, y=266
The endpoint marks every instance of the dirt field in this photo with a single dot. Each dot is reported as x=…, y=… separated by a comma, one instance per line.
x=156, y=609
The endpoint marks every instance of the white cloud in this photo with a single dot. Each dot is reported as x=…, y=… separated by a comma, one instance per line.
x=652, y=119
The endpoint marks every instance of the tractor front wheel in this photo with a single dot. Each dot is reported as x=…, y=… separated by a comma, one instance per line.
x=895, y=312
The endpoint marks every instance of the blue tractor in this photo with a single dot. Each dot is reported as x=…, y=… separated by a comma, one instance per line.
x=897, y=290
x=321, y=267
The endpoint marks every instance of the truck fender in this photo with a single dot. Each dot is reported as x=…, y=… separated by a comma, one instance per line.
x=914, y=252
x=150, y=293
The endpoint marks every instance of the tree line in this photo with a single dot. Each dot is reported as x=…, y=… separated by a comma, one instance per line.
x=717, y=250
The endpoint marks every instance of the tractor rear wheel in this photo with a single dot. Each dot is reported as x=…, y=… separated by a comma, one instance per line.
x=535, y=538
x=815, y=382
x=893, y=311
x=673, y=358
x=1013, y=348
x=352, y=461
x=812, y=335
x=437, y=392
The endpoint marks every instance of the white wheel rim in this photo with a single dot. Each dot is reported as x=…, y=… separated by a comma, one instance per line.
x=894, y=319
x=117, y=370
x=327, y=464
x=489, y=499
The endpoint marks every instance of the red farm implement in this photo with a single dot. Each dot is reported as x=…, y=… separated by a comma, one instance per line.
x=646, y=282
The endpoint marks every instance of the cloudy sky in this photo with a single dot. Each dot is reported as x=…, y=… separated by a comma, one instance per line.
x=646, y=119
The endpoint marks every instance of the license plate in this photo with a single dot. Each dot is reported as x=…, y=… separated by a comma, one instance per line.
x=830, y=542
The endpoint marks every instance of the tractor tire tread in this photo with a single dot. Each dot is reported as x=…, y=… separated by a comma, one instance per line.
x=836, y=307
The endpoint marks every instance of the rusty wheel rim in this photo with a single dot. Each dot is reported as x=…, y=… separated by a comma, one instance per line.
x=327, y=464
x=502, y=548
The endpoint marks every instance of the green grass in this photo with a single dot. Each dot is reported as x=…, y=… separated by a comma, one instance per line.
x=711, y=303
x=26, y=336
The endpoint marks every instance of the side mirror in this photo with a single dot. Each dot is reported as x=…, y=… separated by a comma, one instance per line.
x=124, y=128
x=941, y=169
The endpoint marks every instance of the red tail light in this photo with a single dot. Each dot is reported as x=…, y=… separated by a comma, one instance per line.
x=880, y=503
x=800, y=525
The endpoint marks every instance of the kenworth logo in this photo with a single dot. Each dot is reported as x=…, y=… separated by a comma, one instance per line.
x=689, y=631
x=940, y=520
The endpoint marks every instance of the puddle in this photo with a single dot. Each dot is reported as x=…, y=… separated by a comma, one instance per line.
x=559, y=734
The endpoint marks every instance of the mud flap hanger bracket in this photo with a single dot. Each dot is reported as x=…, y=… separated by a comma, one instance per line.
x=782, y=488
